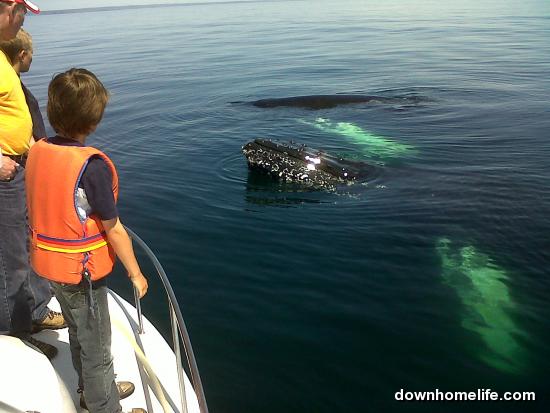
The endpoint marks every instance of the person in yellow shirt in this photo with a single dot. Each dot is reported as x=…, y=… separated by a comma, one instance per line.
x=15, y=118
x=15, y=140
x=19, y=51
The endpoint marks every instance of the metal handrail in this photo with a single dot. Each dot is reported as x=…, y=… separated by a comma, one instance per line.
x=177, y=326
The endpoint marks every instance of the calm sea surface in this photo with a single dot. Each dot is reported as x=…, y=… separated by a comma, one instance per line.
x=434, y=274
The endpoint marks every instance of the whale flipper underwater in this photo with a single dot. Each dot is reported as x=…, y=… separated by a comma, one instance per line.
x=487, y=302
x=298, y=163
x=330, y=101
x=373, y=146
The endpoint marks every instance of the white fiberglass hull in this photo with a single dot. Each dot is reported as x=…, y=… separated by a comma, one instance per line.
x=29, y=382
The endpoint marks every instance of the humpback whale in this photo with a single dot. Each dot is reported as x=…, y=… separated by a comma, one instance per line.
x=297, y=163
x=330, y=101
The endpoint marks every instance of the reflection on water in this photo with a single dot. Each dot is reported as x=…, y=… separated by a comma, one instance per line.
x=372, y=146
x=481, y=286
x=261, y=189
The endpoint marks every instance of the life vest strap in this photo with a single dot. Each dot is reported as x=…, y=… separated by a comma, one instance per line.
x=71, y=246
x=72, y=251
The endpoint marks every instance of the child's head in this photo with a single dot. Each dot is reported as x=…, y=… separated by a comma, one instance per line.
x=19, y=50
x=76, y=102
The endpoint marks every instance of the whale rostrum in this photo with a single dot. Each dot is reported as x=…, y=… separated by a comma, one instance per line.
x=291, y=162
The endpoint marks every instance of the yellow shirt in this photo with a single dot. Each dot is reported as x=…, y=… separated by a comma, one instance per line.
x=15, y=118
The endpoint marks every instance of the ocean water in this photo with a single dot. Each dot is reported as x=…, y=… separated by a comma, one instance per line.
x=434, y=274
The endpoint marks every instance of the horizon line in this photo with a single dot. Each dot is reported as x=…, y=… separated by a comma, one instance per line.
x=161, y=5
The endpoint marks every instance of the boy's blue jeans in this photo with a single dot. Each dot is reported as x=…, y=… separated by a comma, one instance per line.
x=15, y=300
x=90, y=342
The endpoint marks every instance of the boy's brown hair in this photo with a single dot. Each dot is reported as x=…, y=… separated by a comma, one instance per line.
x=23, y=41
x=76, y=102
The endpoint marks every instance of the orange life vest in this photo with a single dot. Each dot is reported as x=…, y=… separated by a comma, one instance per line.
x=62, y=244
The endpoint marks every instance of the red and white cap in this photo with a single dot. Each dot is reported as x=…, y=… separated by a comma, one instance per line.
x=28, y=4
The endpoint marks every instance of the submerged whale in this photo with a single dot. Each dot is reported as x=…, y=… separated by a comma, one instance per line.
x=297, y=163
x=488, y=307
x=330, y=101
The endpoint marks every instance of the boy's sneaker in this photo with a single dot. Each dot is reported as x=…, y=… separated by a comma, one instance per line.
x=47, y=349
x=125, y=389
x=52, y=321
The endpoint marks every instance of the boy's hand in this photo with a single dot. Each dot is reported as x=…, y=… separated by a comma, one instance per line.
x=140, y=282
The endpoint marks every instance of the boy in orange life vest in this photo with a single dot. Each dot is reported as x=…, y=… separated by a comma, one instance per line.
x=76, y=231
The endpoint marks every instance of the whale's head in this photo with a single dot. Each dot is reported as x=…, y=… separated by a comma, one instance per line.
x=297, y=163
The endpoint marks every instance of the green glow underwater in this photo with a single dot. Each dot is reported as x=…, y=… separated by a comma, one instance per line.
x=481, y=286
x=372, y=146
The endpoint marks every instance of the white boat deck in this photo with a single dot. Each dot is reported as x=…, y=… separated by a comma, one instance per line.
x=30, y=383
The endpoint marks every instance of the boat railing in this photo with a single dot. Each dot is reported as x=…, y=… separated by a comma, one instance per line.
x=178, y=330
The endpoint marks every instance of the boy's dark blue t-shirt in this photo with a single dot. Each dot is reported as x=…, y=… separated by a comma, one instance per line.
x=97, y=182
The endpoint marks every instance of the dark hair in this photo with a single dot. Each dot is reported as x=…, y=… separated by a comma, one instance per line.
x=76, y=102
